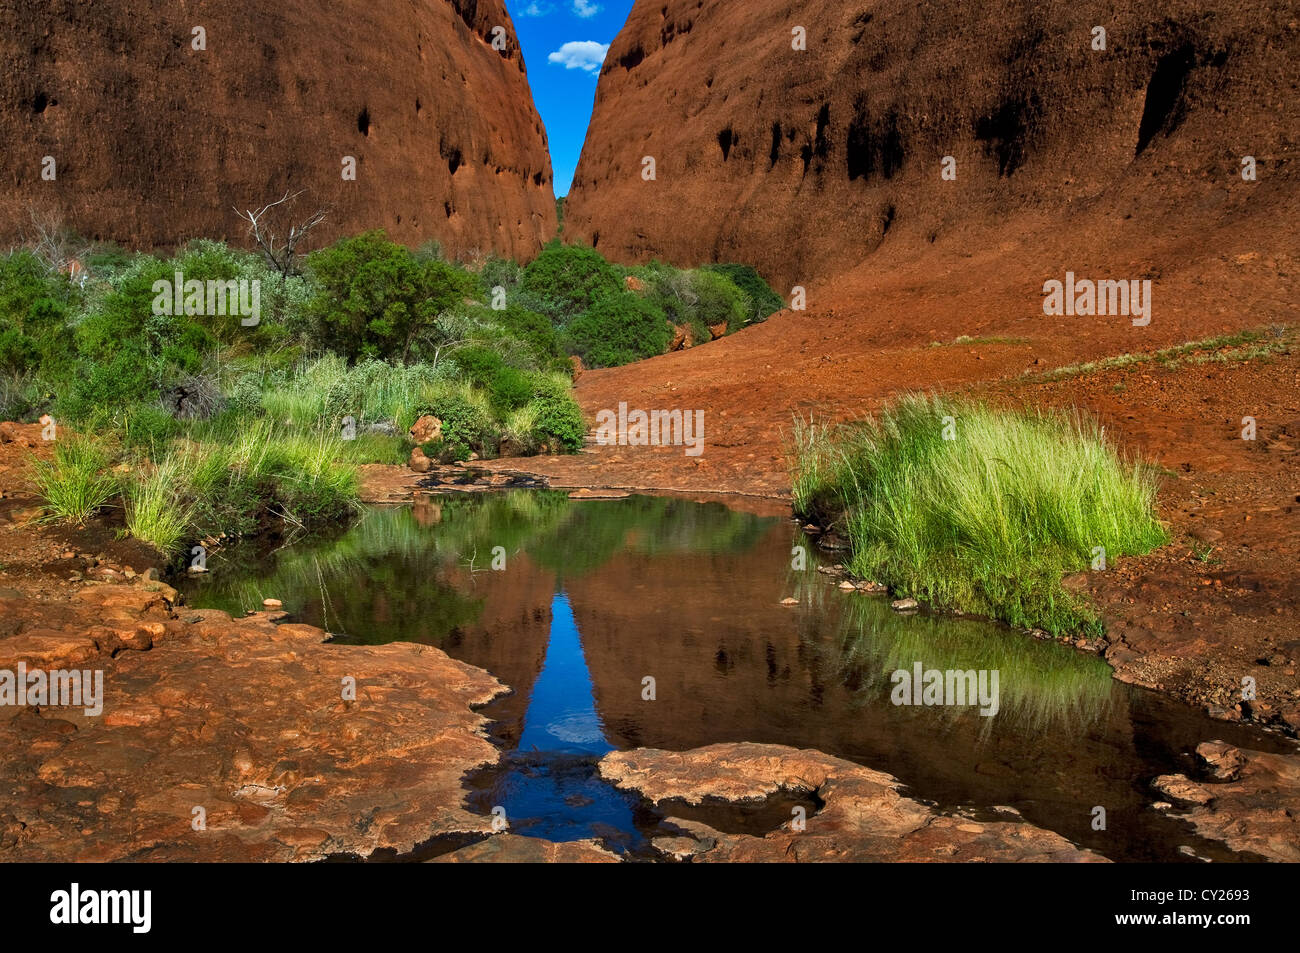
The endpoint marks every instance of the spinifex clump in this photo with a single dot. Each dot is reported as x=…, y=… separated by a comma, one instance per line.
x=976, y=508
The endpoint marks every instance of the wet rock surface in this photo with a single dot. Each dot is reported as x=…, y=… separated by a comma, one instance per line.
x=864, y=816
x=1258, y=810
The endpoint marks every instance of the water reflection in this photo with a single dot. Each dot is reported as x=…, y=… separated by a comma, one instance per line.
x=549, y=786
x=597, y=595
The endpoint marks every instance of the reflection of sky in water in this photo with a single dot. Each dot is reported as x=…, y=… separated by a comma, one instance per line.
x=549, y=786
x=561, y=713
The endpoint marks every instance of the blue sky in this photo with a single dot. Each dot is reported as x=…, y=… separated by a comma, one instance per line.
x=564, y=42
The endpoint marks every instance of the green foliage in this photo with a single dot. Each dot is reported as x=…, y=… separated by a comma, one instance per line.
x=33, y=314
x=558, y=417
x=565, y=281
x=619, y=330
x=987, y=521
x=157, y=512
x=375, y=299
x=467, y=423
x=500, y=273
x=764, y=302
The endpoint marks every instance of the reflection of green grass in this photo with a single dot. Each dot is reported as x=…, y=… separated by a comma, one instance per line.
x=383, y=580
x=1040, y=684
x=987, y=520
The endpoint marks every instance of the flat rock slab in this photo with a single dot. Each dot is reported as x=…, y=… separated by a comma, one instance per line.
x=863, y=818
x=1257, y=811
x=515, y=849
x=239, y=728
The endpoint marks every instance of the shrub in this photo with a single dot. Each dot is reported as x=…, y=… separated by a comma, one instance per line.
x=619, y=330
x=987, y=522
x=559, y=418
x=467, y=423
x=566, y=280
x=129, y=354
x=33, y=314
x=719, y=301
x=763, y=301
x=535, y=330
x=148, y=427
x=500, y=272
x=376, y=300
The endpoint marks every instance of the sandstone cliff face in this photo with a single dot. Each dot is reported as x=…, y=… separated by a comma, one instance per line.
x=803, y=163
x=156, y=142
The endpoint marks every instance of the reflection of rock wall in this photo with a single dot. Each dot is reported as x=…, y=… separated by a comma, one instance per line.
x=510, y=637
x=155, y=142
x=802, y=162
x=719, y=680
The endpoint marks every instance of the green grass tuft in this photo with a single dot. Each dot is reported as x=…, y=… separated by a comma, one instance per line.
x=74, y=484
x=986, y=522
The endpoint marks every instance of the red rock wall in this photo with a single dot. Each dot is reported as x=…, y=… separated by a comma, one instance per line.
x=803, y=163
x=156, y=142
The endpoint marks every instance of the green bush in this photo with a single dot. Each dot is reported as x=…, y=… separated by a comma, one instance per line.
x=559, y=418
x=148, y=427
x=764, y=302
x=535, y=330
x=619, y=330
x=127, y=353
x=467, y=423
x=565, y=281
x=500, y=273
x=34, y=312
x=375, y=299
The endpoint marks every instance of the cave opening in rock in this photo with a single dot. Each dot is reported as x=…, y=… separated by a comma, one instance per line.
x=1163, y=109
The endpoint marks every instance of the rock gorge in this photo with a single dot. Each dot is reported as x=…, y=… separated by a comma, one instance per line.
x=155, y=142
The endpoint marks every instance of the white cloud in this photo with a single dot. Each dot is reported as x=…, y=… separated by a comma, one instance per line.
x=580, y=54
x=536, y=9
x=585, y=8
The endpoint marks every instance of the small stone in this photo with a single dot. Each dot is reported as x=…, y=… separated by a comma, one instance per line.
x=847, y=585
x=904, y=605
x=272, y=603
x=1225, y=760
x=419, y=462
x=1180, y=788
x=788, y=601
